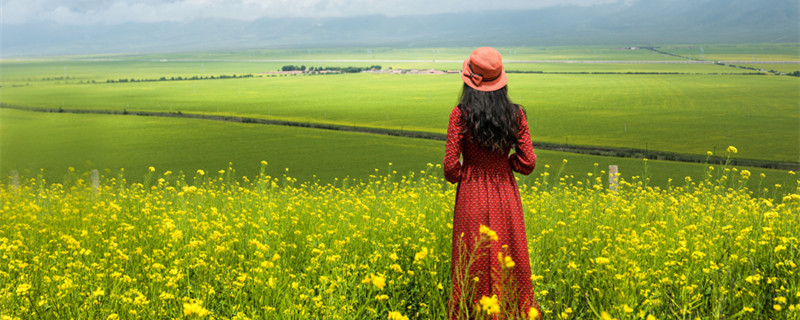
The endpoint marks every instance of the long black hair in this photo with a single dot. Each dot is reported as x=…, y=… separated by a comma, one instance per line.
x=490, y=117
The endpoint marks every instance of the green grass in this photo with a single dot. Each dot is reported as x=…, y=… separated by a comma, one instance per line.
x=383, y=53
x=52, y=142
x=740, y=52
x=679, y=113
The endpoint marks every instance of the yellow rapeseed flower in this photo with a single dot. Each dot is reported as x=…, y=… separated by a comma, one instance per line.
x=626, y=308
x=201, y=172
x=505, y=261
x=488, y=232
x=421, y=255
x=194, y=308
x=601, y=260
x=533, y=313
x=23, y=289
x=379, y=282
x=490, y=305
x=395, y=315
x=745, y=174
x=732, y=150
x=376, y=280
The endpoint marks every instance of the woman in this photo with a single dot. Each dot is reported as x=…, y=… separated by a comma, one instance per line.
x=483, y=129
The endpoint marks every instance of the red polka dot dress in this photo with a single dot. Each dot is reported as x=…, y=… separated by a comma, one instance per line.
x=487, y=195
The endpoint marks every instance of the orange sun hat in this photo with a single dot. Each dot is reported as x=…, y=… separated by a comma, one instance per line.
x=483, y=70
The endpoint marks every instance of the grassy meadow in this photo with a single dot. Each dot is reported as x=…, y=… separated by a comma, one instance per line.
x=698, y=112
x=47, y=144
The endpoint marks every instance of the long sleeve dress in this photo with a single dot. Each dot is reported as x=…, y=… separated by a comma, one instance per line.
x=487, y=195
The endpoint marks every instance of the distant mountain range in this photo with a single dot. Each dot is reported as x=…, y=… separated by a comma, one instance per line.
x=642, y=22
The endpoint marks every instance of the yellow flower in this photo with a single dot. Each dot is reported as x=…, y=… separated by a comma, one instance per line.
x=745, y=174
x=490, y=305
x=112, y=316
x=376, y=280
x=263, y=162
x=601, y=260
x=275, y=257
x=779, y=248
x=533, y=313
x=777, y=307
x=379, y=282
x=98, y=293
x=732, y=150
x=754, y=279
x=396, y=268
x=23, y=289
x=421, y=255
x=651, y=317
x=194, y=308
x=627, y=309
x=395, y=315
x=708, y=153
x=505, y=261
x=488, y=232
x=393, y=256
x=201, y=172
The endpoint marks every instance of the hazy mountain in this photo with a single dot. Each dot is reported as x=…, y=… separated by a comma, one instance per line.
x=640, y=22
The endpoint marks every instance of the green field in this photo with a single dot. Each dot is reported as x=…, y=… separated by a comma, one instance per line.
x=756, y=53
x=48, y=143
x=610, y=53
x=677, y=113
x=703, y=108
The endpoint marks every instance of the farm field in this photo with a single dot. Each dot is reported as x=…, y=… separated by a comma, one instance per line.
x=212, y=245
x=756, y=53
x=440, y=54
x=208, y=219
x=52, y=142
x=697, y=112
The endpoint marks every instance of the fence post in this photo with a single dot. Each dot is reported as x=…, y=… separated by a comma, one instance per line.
x=95, y=181
x=14, y=180
x=613, y=179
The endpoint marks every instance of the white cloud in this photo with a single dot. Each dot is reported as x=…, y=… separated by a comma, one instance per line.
x=121, y=11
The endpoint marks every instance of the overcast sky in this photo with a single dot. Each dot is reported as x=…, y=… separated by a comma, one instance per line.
x=121, y=11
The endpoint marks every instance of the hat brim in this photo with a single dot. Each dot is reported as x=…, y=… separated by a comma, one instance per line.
x=497, y=84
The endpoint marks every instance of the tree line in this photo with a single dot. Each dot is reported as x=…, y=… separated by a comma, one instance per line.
x=179, y=78
x=329, y=69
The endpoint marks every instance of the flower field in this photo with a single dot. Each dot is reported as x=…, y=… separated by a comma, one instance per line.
x=215, y=245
